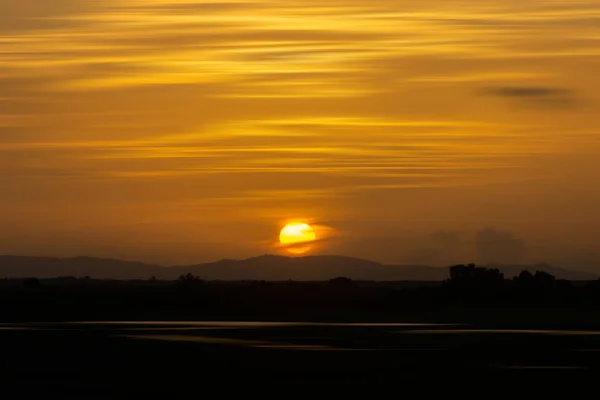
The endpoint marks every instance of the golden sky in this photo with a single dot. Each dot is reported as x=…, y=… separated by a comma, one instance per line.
x=180, y=131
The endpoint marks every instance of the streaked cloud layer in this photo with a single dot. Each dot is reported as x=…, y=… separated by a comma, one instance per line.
x=215, y=121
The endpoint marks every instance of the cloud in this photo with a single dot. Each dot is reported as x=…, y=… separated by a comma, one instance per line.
x=537, y=95
x=495, y=246
x=524, y=91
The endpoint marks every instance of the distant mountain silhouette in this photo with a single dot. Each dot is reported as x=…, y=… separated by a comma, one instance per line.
x=267, y=267
x=49, y=267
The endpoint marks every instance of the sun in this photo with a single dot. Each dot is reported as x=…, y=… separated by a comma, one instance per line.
x=297, y=236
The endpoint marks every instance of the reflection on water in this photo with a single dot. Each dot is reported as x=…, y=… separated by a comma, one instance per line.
x=502, y=331
x=404, y=344
x=238, y=342
x=196, y=339
x=259, y=324
x=14, y=328
x=242, y=324
x=179, y=328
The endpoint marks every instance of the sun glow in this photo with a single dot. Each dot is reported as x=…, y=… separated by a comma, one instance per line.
x=296, y=237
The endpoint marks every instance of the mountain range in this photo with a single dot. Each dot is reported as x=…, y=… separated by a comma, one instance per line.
x=266, y=267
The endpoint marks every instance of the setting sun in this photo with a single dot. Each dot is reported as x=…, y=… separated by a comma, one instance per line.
x=296, y=236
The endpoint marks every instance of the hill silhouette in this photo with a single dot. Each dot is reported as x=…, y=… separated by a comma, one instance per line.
x=266, y=267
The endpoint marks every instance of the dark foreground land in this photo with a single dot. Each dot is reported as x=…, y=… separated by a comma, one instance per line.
x=106, y=339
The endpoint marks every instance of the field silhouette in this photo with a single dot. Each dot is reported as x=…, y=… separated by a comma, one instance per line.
x=460, y=297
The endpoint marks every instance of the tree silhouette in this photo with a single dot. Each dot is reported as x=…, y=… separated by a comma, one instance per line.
x=527, y=280
x=470, y=275
x=340, y=281
x=188, y=281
